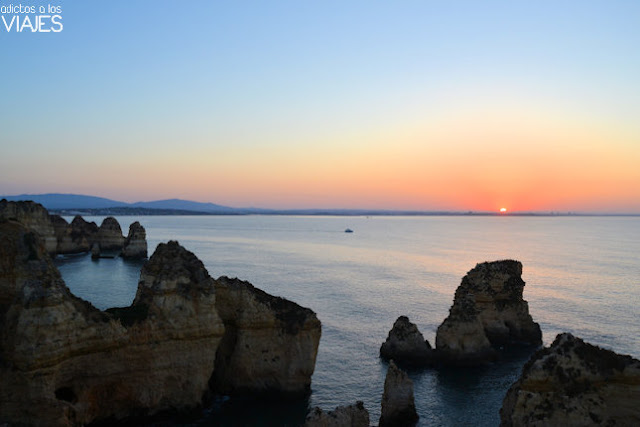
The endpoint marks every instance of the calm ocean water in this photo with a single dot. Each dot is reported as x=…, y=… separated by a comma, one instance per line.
x=582, y=275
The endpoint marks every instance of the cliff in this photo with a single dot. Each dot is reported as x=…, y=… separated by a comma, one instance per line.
x=63, y=362
x=80, y=236
x=573, y=383
x=270, y=346
x=35, y=217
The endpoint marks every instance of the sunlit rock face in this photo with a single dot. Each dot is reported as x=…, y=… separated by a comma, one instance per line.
x=573, y=383
x=343, y=416
x=488, y=311
x=398, y=405
x=35, y=217
x=270, y=345
x=406, y=345
x=135, y=245
x=63, y=362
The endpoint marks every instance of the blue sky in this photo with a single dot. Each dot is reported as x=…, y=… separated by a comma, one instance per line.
x=146, y=85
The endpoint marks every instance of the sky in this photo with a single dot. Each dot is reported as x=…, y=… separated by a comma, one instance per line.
x=419, y=105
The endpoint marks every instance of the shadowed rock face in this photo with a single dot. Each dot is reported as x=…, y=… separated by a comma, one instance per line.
x=398, y=406
x=83, y=234
x=270, y=346
x=80, y=236
x=488, y=311
x=406, y=345
x=63, y=362
x=573, y=383
x=135, y=245
x=343, y=416
x=75, y=237
x=109, y=235
x=35, y=217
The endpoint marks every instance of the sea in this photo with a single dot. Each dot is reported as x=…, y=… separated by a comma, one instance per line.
x=582, y=276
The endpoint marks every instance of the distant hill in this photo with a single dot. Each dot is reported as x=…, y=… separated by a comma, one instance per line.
x=184, y=205
x=54, y=201
x=78, y=202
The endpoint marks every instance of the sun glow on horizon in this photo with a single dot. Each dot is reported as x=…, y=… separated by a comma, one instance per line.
x=503, y=210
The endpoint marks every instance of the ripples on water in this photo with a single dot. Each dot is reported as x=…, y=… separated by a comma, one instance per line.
x=582, y=276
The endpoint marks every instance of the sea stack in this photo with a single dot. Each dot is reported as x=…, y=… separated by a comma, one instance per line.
x=488, y=311
x=110, y=236
x=398, y=406
x=573, y=383
x=135, y=245
x=406, y=345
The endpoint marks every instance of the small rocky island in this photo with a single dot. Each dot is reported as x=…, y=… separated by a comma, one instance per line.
x=185, y=336
x=488, y=312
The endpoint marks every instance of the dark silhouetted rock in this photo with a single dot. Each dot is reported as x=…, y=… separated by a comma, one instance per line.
x=83, y=234
x=343, y=416
x=488, y=311
x=573, y=383
x=398, y=406
x=33, y=216
x=406, y=345
x=270, y=345
x=135, y=245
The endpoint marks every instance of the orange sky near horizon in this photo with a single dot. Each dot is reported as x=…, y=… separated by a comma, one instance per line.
x=478, y=161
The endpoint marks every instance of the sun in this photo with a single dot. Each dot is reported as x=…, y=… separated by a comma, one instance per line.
x=503, y=210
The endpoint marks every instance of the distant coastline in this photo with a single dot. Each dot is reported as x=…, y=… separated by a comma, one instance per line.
x=75, y=204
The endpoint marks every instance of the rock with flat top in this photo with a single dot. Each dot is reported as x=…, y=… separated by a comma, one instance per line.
x=270, y=346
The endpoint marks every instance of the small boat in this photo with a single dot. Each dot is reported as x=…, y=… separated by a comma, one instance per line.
x=348, y=230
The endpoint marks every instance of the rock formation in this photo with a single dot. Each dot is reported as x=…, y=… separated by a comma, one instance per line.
x=406, y=345
x=110, y=236
x=573, y=383
x=73, y=238
x=83, y=234
x=79, y=236
x=270, y=345
x=63, y=362
x=343, y=416
x=398, y=406
x=488, y=311
x=135, y=245
x=35, y=217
